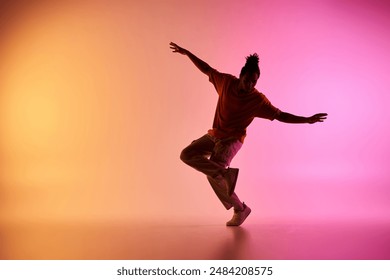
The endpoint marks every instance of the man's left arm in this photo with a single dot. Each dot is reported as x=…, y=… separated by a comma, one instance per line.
x=290, y=118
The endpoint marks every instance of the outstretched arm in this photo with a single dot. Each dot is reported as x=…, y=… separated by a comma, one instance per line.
x=200, y=64
x=290, y=118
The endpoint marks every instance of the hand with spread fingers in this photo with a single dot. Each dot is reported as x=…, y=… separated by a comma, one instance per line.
x=317, y=118
x=177, y=48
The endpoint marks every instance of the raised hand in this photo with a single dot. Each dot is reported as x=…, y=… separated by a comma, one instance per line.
x=317, y=118
x=176, y=48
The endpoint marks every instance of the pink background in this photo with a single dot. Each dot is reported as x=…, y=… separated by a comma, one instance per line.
x=95, y=109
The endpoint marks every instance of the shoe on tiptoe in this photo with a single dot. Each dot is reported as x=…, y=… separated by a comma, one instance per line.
x=230, y=177
x=239, y=216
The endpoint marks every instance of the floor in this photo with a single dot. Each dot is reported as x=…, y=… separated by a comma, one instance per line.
x=284, y=241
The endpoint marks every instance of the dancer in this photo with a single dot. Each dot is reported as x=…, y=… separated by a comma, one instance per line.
x=238, y=104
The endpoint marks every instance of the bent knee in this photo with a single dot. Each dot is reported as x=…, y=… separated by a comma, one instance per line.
x=185, y=155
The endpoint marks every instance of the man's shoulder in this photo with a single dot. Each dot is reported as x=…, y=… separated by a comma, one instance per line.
x=220, y=78
x=225, y=75
x=259, y=97
x=258, y=94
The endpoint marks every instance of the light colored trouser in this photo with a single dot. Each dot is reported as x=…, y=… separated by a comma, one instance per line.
x=212, y=156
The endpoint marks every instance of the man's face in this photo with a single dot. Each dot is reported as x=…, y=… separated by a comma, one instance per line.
x=248, y=82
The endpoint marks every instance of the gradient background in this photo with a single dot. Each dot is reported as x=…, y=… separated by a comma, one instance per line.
x=95, y=109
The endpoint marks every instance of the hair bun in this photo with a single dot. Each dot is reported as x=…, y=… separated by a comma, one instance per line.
x=251, y=65
x=253, y=59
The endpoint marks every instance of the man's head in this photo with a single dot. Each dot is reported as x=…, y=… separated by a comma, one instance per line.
x=249, y=74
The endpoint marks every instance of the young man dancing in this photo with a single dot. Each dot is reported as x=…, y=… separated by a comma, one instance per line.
x=238, y=104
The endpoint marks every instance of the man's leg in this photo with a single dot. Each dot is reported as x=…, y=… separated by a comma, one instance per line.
x=200, y=155
x=197, y=156
x=223, y=153
x=227, y=200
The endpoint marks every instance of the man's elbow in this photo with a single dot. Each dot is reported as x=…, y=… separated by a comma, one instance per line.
x=207, y=70
x=282, y=117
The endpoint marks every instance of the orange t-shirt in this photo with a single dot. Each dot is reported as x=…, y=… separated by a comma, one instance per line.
x=235, y=111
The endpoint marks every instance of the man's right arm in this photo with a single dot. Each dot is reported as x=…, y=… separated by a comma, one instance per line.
x=200, y=64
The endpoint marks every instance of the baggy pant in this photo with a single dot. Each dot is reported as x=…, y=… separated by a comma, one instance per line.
x=212, y=156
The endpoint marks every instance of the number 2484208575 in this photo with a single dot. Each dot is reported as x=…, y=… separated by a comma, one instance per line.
x=241, y=270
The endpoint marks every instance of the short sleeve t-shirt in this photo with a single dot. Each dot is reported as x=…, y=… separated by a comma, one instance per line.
x=235, y=111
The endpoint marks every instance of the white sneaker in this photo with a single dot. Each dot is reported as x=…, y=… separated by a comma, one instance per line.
x=239, y=216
